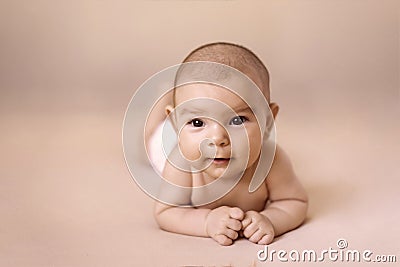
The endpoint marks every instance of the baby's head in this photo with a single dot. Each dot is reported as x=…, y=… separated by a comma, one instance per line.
x=235, y=56
x=197, y=124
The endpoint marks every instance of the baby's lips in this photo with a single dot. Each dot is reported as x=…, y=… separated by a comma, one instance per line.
x=222, y=157
x=221, y=161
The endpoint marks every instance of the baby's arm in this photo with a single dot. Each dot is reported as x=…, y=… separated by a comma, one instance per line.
x=287, y=207
x=222, y=224
x=177, y=219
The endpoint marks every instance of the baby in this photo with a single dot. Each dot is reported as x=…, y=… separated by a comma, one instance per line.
x=277, y=206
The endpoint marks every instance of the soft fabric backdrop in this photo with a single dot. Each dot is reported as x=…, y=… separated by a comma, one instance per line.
x=69, y=68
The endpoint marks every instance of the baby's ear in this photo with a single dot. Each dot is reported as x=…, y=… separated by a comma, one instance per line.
x=168, y=111
x=274, y=109
x=270, y=121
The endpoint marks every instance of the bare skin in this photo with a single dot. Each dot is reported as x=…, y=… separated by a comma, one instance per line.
x=278, y=206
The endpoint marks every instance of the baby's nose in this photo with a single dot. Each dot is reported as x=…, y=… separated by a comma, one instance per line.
x=218, y=135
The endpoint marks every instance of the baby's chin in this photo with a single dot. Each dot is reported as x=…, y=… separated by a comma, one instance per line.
x=214, y=173
x=224, y=168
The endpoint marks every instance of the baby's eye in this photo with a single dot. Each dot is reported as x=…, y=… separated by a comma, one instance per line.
x=197, y=123
x=238, y=120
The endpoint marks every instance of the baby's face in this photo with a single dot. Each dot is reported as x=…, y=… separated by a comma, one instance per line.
x=195, y=126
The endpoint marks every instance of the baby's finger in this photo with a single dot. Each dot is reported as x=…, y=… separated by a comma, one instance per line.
x=250, y=230
x=246, y=221
x=236, y=213
x=223, y=240
x=234, y=224
x=257, y=236
x=231, y=233
x=266, y=239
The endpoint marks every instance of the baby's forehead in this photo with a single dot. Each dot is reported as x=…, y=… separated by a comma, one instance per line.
x=243, y=80
x=191, y=92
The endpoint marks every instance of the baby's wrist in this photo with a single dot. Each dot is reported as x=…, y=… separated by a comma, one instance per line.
x=265, y=216
x=206, y=224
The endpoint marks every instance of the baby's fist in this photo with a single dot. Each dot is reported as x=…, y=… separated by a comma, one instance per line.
x=223, y=224
x=257, y=228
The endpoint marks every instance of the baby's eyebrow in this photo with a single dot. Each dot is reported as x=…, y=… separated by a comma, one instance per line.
x=196, y=111
x=191, y=111
x=242, y=108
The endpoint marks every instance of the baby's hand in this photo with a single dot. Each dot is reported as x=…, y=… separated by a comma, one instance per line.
x=223, y=224
x=257, y=228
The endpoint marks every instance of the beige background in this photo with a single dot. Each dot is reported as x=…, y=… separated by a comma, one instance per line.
x=69, y=68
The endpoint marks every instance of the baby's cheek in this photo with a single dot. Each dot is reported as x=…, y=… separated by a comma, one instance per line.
x=255, y=146
x=188, y=147
x=252, y=146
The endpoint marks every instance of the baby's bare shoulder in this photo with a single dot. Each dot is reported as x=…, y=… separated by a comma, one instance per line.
x=282, y=181
x=281, y=162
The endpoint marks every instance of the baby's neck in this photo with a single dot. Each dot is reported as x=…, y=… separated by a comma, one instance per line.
x=248, y=173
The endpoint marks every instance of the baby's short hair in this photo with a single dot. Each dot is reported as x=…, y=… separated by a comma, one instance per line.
x=235, y=56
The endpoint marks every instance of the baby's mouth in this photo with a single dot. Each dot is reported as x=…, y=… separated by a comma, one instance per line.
x=221, y=161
